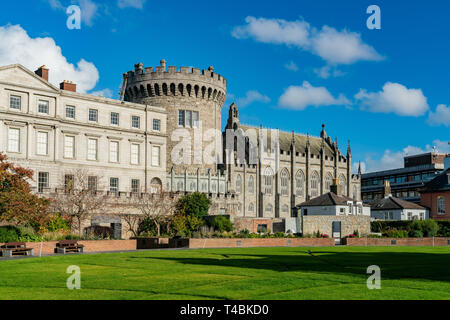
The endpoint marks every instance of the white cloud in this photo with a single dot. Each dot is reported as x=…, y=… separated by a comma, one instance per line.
x=106, y=93
x=89, y=11
x=395, y=98
x=335, y=47
x=328, y=71
x=342, y=47
x=300, y=97
x=291, y=66
x=18, y=47
x=252, y=96
x=137, y=4
x=276, y=31
x=440, y=117
x=56, y=4
x=394, y=159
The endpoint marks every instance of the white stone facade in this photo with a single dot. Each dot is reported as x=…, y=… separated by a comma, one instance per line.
x=62, y=137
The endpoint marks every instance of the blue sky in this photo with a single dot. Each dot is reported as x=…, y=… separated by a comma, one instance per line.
x=291, y=65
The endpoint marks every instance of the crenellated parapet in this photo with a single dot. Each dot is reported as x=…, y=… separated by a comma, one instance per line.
x=144, y=83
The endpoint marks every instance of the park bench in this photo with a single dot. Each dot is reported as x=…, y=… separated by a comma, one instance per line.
x=16, y=249
x=69, y=246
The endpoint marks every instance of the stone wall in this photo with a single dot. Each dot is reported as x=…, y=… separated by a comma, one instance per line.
x=397, y=241
x=323, y=224
x=89, y=246
x=251, y=224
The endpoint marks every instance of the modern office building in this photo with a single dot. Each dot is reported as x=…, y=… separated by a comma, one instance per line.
x=405, y=182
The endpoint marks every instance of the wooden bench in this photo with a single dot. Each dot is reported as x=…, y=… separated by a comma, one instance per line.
x=69, y=246
x=16, y=249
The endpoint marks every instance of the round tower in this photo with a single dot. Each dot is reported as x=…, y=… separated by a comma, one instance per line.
x=193, y=99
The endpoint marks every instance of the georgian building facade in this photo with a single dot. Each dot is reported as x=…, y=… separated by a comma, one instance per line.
x=55, y=131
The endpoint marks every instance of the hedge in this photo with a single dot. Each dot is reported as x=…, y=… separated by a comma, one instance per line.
x=408, y=225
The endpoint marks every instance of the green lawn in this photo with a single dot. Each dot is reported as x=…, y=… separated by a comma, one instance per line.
x=254, y=273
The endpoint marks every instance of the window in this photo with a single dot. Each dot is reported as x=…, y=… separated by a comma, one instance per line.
x=261, y=228
x=388, y=216
x=328, y=183
x=314, y=184
x=92, y=149
x=92, y=183
x=343, y=183
x=42, y=181
x=195, y=119
x=135, y=185
x=114, y=118
x=251, y=185
x=269, y=209
x=113, y=185
x=68, y=183
x=70, y=112
x=93, y=115
x=409, y=215
x=238, y=184
x=13, y=140
x=15, y=102
x=156, y=150
x=441, y=205
x=189, y=119
x=284, y=183
x=135, y=122
x=299, y=183
x=134, y=154
x=285, y=209
x=69, y=147
x=43, y=106
x=156, y=125
x=114, y=151
x=181, y=118
x=251, y=207
x=422, y=216
x=41, y=143
x=268, y=181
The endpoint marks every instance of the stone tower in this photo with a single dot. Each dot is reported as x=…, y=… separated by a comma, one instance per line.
x=193, y=99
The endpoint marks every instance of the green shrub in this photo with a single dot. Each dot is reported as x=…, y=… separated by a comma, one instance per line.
x=429, y=228
x=416, y=234
x=9, y=234
x=394, y=233
x=221, y=224
x=194, y=205
x=57, y=222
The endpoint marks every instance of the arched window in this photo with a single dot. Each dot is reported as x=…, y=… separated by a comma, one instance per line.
x=284, y=182
x=180, y=186
x=238, y=184
x=355, y=192
x=343, y=183
x=285, y=209
x=251, y=185
x=268, y=181
x=314, y=184
x=213, y=187
x=239, y=207
x=300, y=184
x=328, y=181
x=269, y=209
x=251, y=207
x=441, y=205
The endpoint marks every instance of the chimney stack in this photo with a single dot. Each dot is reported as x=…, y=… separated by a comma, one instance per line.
x=387, y=189
x=336, y=187
x=68, y=86
x=42, y=72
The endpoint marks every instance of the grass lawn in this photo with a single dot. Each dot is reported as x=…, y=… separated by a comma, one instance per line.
x=253, y=273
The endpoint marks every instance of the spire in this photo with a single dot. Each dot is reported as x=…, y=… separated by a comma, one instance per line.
x=307, y=141
x=359, y=169
x=323, y=134
x=349, y=150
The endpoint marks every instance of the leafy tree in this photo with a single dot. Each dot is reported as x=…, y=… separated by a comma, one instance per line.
x=194, y=205
x=18, y=205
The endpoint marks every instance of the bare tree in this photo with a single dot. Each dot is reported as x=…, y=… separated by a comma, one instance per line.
x=79, y=197
x=157, y=207
x=132, y=223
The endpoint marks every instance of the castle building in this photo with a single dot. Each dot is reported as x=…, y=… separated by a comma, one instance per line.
x=165, y=132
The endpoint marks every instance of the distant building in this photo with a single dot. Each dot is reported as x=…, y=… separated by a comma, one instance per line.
x=435, y=195
x=334, y=214
x=392, y=208
x=405, y=182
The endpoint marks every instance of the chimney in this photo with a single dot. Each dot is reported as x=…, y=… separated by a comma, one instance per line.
x=42, y=72
x=68, y=86
x=163, y=64
x=387, y=189
x=336, y=187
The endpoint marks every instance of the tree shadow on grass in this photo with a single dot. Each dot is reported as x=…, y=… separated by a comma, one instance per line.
x=393, y=265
